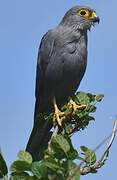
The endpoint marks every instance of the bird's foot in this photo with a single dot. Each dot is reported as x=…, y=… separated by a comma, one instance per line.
x=72, y=105
x=58, y=117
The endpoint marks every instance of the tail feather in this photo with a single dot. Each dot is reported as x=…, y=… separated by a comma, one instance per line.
x=39, y=138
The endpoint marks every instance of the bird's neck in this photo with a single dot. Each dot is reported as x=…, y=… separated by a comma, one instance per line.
x=73, y=24
x=72, y=33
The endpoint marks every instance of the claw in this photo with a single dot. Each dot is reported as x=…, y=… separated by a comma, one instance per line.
x=74, y=106
x=58, y=115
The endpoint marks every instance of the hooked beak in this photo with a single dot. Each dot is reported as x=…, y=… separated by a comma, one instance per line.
x=96, y=19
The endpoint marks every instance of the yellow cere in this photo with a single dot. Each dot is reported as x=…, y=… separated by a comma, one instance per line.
x=87, y=13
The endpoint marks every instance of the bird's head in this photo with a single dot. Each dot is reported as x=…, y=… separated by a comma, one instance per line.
x=80, y=17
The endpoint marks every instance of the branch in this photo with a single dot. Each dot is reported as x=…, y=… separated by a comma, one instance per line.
x=56, y=129
x=100, y=163
x=91, y=169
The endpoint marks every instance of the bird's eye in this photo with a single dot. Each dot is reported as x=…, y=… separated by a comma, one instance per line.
x=84, y=12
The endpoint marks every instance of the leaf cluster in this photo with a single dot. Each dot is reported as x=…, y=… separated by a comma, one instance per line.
x=59, y=160
x=79, y=120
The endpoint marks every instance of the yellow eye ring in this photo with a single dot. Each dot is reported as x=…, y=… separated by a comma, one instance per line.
x=84, y=13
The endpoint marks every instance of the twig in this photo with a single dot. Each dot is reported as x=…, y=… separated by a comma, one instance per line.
x=97, y=165
x=53, y=135
x=89, y=169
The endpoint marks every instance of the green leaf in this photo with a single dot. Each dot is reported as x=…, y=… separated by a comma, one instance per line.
x=61, y=147
x=3, y=166
x=21, y=176
x=92, y=109
x=72, y=153
x=20, y=166
x=91, y=97
x=68, y=127
x=18, y=177
x=76, y=175
x=83, y=98
x=73, y=171
x=53, y=165
x=99, y=97
x=60, y=143
x=39, y=169
x=25, y=156
x=84, y=149
x=90, y=156
x=70, y=166
x=48, y=167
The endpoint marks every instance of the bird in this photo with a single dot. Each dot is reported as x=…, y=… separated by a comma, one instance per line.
x=61, y=65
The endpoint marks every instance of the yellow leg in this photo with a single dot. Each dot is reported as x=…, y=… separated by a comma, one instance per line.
x=58, y=115
x=75, y=106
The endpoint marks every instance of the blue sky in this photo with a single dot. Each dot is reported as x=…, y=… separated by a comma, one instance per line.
x=22, y=25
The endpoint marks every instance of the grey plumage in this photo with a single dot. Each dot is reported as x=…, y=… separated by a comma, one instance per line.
x=61, y=64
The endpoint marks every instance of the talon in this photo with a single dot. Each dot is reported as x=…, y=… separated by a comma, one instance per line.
x=75, y=106
x=58, y=115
